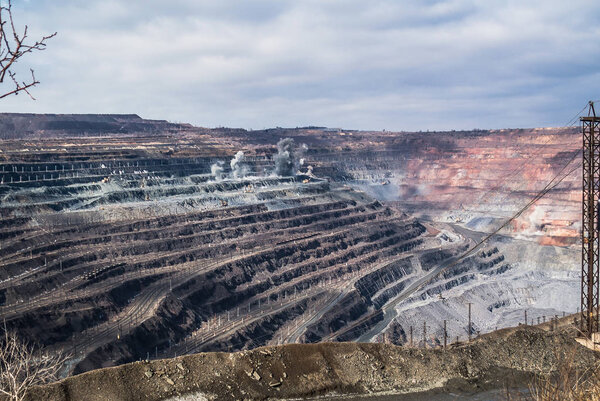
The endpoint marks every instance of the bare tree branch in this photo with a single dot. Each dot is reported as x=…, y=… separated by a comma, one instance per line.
x=21, y=366
x=13, y=46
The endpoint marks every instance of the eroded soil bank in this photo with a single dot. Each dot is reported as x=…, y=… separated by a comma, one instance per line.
x=311, y=370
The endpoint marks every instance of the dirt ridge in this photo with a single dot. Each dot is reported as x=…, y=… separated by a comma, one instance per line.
x=308, y=370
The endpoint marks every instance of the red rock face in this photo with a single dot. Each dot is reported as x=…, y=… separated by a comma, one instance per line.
x=473, y=175
x=496, y=174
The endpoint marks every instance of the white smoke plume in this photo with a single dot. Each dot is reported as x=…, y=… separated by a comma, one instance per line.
x=217, y=170
x=238, y=168
x=536, y=219
x=289, y=157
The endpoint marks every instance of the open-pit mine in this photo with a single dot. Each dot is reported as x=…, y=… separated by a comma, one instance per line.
x=124, y=239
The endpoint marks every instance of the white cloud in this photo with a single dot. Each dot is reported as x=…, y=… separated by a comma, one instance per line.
x=369, y=65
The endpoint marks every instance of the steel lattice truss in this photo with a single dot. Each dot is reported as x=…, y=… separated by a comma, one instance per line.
x=590, y=267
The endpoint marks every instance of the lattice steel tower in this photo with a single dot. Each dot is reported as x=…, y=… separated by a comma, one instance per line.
x=590, y=267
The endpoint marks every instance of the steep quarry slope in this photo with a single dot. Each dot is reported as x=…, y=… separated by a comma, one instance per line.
x=126, y=243
x=125, y=256
x=475, y=178
x=473, y=181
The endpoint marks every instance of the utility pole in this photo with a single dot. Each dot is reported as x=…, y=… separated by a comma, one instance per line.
x=590, y=291
x=445, y=335
x=470, y=321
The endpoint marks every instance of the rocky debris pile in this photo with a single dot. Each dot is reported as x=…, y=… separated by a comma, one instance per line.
x=305, y=370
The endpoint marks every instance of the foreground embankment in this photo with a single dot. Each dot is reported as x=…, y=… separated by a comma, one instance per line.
x=309, y=370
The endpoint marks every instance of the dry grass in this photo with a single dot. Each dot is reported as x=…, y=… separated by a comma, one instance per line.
x=568, y=384
x=565, y=382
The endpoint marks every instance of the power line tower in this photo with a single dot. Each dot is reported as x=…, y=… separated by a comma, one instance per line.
x=590, y=267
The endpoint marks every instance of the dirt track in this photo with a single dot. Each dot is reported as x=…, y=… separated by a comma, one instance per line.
x=302, y=370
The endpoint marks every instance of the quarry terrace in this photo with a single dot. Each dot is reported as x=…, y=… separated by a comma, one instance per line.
x=124, y=239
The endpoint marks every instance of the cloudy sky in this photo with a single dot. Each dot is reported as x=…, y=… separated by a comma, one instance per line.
x=378, y=64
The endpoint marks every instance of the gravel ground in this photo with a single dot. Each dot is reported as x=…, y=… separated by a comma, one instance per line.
x=508, y=357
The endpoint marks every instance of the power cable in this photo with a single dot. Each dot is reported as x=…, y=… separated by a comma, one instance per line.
x=574, y=119
x=516, y=171
x=526, y=162
x=553, y=183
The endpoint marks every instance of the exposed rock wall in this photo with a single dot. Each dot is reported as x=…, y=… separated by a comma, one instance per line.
x=121, y=243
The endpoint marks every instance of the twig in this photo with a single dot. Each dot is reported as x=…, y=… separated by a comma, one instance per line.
x=13, y=46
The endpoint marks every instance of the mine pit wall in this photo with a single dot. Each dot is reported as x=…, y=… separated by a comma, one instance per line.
x=171, y=322
x=59, y=175
x=227, y=282
x=360, y=301
x=48, y=176
x=232, y=275
x=365, y=325
x=219, y=292
x=47, y=328
x=465, y=271
x=353, y=314
x=369, y=284
x=488, y=262
x=351, y=307
x=203, y=238
x=50, y=325
x=260, y=332
x=94, y=196
x=37, y=258
x=460, y=176
x=425, y=172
